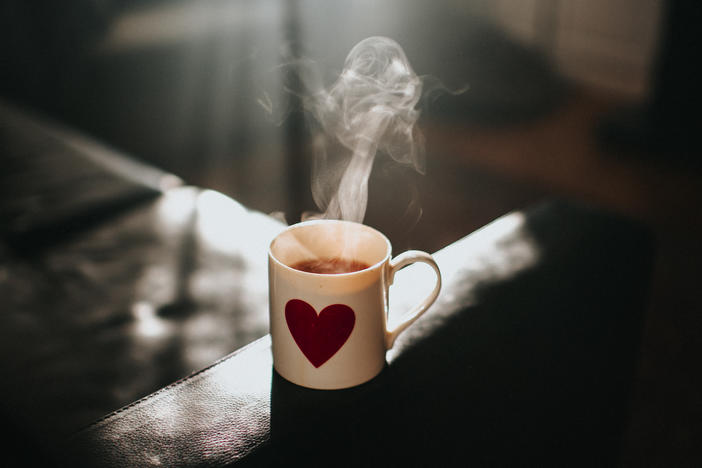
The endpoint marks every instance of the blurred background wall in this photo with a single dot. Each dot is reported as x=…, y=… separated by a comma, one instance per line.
x=188, y=84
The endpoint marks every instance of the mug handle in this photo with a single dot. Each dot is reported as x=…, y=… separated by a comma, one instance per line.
x=406, y=258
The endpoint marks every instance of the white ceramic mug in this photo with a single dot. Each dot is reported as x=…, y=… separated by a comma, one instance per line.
x=329, y=330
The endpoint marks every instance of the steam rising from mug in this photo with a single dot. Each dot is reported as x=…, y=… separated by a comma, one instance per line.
x=370, y=108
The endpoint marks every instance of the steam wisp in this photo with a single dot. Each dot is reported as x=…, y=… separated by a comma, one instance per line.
x=370, y=108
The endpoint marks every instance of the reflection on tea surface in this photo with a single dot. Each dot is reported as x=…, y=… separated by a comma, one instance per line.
x=330, y=266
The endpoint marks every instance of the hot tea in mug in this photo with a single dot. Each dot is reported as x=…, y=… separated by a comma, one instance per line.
x=328, y=286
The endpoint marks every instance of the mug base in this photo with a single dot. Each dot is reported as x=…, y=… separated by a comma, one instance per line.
x=326, y=383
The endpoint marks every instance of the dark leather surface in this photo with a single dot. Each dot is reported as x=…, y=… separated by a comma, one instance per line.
x=111, y=285
x=130, y=306
x=526, y=359
x=55, y=180
x=113, y=288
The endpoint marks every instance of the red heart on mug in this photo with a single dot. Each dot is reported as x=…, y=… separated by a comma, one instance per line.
x=319, y=337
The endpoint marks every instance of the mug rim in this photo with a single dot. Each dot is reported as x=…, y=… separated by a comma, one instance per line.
x=302, y=224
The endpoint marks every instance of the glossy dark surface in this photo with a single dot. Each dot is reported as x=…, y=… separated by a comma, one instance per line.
x=113, y=285
x=526, y=358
